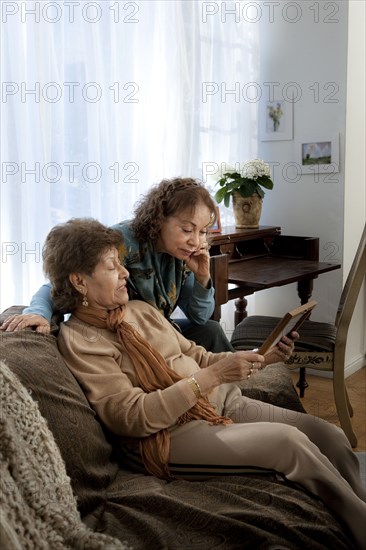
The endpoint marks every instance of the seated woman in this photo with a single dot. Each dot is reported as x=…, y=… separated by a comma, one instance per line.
x=166, y=252
x=175, y=406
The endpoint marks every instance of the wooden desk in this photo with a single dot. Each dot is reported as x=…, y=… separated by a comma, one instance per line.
x=244, y=261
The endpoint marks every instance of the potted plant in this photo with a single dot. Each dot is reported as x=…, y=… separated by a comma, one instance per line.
x=244, y=185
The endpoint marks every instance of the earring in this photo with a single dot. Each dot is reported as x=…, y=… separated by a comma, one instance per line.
x=85, y=301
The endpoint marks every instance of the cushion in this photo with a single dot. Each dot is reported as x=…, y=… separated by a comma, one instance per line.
x=273, y=385
x=35, y=360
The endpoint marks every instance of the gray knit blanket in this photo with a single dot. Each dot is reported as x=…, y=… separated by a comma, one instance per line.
x=38, y=508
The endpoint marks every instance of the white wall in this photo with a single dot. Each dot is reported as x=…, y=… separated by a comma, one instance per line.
x=310, y=52
x=308, y=44
x=355, y=177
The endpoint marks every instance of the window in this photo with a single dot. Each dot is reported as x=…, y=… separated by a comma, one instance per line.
x=100, y=100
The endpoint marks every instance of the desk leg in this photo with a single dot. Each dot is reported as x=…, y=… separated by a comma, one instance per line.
x=305, y=290
x=240, y=310
x=216, y=316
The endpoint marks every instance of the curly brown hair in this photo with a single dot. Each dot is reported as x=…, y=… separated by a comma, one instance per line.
x=74, y=247
x=168, y=198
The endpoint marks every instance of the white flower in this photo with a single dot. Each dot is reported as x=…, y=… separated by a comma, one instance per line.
x=253, y=169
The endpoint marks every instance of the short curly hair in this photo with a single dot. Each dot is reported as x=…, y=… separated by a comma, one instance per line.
x=74, y=247
x=168, y=198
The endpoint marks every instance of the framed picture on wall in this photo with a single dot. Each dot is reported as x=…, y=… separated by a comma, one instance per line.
x=318, y=156
x=276, y=120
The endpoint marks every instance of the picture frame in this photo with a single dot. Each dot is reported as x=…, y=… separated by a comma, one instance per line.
x=292, y=320
x=276, y=120
x=318, y=156
x=216, y=228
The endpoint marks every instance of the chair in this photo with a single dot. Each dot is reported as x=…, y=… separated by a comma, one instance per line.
x=321, y=346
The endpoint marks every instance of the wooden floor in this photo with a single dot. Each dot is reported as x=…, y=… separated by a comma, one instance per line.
x=319, y=401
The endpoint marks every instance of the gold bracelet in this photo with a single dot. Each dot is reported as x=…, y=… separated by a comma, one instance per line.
x=195, y=386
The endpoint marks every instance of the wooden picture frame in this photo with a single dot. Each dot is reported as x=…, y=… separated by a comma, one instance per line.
x=292, y=320
x=216, y=228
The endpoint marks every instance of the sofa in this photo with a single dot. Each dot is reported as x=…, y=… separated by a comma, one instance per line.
x=254, y=511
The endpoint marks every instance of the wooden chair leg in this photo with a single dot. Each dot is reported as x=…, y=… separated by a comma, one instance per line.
x=302, y=383
x=342, y=404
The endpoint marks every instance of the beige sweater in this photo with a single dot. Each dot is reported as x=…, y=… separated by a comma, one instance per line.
x=107, y=375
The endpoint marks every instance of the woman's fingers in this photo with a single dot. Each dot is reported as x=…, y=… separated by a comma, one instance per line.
x=15, y=323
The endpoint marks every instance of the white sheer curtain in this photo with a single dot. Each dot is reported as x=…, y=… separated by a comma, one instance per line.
x=100, y=100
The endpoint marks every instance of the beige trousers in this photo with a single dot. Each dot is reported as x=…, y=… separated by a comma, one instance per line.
x=302, y=447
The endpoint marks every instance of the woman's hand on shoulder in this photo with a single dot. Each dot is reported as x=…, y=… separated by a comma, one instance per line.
x=15, y=323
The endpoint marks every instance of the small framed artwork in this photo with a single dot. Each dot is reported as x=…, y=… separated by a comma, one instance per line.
x=216, y=227
x=276, y=120
x=320, y=156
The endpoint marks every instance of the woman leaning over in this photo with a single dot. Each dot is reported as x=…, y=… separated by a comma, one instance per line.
x=166, y=252
x=175, y=406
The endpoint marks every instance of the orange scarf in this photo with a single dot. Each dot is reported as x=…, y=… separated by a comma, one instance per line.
x=153, y=373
